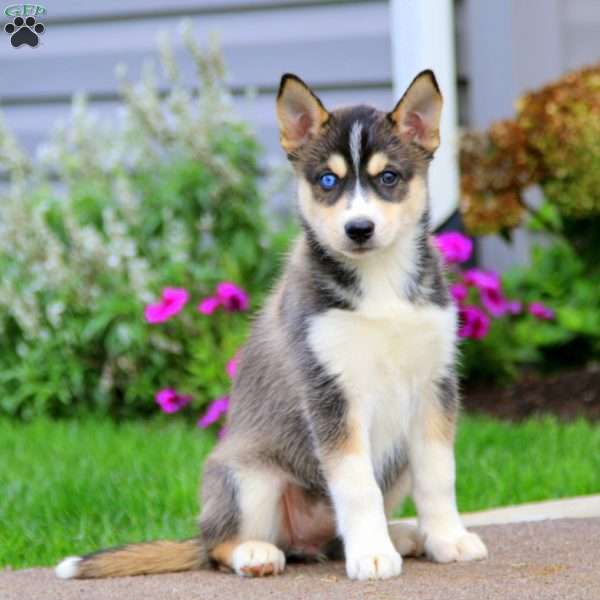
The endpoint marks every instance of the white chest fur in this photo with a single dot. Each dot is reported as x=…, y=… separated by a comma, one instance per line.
x=382, y=359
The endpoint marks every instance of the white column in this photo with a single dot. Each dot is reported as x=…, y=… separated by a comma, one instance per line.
x=423, y=38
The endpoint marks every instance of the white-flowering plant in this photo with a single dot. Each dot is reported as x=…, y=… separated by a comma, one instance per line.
x=106, y=216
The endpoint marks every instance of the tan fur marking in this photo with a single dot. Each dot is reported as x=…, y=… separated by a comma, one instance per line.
x=414, y=204
x=377, y=163
x=223, y=553
x=143, y=559
x=409, y=211
x=325, y=219
x=353, y=443
x=439, y=426
x=260, y=570
x=403, y=215
x=338, y=165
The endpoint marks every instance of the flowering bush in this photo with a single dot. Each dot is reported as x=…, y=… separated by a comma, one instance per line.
x=486, y=313
x=504, y=324
x=232, y=299
x=478, y=293
x=553, y=142
x=150, y=210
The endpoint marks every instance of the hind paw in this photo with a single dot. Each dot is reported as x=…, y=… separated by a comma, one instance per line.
x=257, y=559
x=406, y=539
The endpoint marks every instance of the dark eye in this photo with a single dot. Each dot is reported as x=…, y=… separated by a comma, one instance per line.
x=388, y=178
x=328, y=181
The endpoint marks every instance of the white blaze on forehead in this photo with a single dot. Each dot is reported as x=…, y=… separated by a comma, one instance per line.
x=355, y=144
x=358, y=199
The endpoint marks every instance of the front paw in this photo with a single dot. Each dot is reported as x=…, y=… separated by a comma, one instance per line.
x=462, y=547
x=376, y=565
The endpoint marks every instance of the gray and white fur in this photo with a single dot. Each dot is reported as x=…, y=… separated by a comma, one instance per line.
x=345, y=400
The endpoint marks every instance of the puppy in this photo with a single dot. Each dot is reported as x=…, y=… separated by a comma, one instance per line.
x=346, y=396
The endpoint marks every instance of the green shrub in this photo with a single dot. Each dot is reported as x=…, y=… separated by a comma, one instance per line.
x=561, y=278
x=110, y=215
x=553, y=142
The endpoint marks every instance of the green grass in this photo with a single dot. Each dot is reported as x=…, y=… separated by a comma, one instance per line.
x=73, y=487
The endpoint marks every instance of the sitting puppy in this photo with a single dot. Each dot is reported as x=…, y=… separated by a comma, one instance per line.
x=346, y=397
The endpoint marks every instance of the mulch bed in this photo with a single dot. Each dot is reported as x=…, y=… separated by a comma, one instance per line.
x=566, y=395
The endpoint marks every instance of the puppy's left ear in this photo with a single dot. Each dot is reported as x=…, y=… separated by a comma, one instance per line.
x=299, y=112
x=416, y=117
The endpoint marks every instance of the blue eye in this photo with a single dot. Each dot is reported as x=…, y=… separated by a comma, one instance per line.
x=388, y=178
x=328, y=181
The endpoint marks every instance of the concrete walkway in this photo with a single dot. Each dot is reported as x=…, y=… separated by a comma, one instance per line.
x=581, y=507
x=540, y=560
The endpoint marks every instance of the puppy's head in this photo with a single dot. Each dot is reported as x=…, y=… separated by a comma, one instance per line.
x=362, y=172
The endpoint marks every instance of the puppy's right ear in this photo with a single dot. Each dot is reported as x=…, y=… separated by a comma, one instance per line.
x=299, y=112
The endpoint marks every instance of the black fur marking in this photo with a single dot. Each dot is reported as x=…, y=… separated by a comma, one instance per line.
x=326, y=274
x=317, y=287
x=377, y=135
x=267, y=401
x=294, y=453
x=342, y=275
x=448, y=395
x=392, y=467
x=438, y=292
x=220, y=521
x=334, y=550
x=429, y=285
x=326, y=404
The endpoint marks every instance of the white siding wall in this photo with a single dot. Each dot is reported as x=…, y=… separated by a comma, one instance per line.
x=341, y=48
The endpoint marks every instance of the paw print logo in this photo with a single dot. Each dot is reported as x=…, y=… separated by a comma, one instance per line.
x=24, y=31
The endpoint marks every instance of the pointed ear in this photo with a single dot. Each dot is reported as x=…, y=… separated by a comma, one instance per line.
x=299, y=112
x=416, y=117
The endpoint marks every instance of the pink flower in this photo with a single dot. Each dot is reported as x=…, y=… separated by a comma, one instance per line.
x=459, y=292
x=231, y=367
x=171, y=401
x=454, y=246
x=484, y=280
x=228, y=295
x=171, y=302
x=541, y=311
x=490, y=290
x=209, y=305
x=474, y=323
x=233, y=298
x=214, y=412
x=515, y=307
x=494, y=302
x=222, y=432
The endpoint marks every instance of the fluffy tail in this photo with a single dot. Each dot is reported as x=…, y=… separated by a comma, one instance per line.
x=136, y=559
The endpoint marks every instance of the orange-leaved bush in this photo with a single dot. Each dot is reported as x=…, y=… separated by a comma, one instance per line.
x=553, y=141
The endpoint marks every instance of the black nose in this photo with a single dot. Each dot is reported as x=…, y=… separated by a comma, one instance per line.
x=360, y=230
